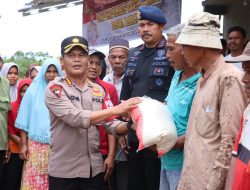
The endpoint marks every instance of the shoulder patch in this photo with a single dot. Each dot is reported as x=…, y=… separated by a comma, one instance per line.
x=56, y=89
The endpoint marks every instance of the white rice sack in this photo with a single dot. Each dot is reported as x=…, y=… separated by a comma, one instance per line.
x=155, y=125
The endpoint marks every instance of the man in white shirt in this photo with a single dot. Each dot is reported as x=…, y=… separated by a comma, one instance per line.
x=118, y=57
x=236, y=43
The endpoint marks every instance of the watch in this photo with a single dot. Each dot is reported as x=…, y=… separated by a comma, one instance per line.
x=130, y=122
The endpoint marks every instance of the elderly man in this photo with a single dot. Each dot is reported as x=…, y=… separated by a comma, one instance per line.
x=217, y=106
x=147, y=73
x=240, y=180
x=179, y=101
x=118, y=57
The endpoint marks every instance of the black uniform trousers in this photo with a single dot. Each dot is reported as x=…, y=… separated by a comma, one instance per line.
x=144, y=169
x=94, y=183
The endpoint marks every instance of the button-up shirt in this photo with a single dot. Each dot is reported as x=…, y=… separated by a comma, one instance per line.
x=75, y=143
x=118, y=83
x=213, y=124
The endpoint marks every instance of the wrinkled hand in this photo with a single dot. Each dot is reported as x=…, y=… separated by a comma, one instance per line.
x=24, y=152
x=125, y=106
x=108, y=167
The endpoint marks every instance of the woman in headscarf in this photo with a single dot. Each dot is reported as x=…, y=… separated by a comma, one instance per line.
x=13, y=168
x=10, y=71
x=34, y=122
x=32, y=71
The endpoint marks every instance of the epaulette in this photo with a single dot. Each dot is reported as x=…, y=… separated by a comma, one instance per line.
x=68, y=81
x=89, y=82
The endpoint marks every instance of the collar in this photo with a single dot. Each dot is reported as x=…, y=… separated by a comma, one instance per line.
x=212, y=67
x=113, y=77
x=161, y=44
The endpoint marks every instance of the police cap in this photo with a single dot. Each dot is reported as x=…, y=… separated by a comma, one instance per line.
x=151, y=13
x=72, y=41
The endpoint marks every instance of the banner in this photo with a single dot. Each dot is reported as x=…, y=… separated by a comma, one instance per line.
x=104, y=20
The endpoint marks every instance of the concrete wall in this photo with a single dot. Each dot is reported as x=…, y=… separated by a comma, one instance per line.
x=237, y=14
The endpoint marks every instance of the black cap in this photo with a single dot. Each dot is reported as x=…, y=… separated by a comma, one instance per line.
x=72, y=41
x=95, y=52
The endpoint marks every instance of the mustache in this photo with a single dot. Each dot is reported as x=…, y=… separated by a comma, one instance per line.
x=117, y=67
x=146, y=34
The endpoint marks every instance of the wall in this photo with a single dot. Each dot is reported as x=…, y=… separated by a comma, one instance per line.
x=237, y=14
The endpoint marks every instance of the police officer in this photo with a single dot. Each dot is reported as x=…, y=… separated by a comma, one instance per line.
x=75, y=106
x=147, y=73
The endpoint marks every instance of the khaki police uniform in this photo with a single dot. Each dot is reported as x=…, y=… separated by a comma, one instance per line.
x=75, y=143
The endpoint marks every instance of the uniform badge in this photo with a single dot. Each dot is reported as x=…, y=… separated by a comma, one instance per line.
x=138, y=15
x=158, y=71
x=75, y=40
x=97, y=92
x=136, y=53
x=161, y=53
x=56, y=89
x=158, y=82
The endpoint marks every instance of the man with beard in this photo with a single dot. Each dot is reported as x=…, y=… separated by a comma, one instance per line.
x=118, y=57
x=147, y=73
x=236, y=37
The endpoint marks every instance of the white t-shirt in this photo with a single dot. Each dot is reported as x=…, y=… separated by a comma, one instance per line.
x=238, y=64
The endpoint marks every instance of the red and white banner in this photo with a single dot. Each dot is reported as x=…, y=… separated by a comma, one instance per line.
x=104, y=20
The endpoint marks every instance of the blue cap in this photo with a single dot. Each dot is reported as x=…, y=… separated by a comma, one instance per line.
x=151, y=13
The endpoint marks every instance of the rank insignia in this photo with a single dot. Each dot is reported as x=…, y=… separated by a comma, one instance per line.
x=68, y=81
x=138, y=15
x=97, y=92
x=56, y=89
x=75, y=40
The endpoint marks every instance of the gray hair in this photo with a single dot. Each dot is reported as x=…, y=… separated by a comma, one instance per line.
x=175, y=30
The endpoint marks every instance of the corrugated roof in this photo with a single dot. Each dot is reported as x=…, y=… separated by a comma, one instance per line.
x=40, y=6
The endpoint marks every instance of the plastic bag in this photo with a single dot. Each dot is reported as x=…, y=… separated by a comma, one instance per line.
x=155, y=125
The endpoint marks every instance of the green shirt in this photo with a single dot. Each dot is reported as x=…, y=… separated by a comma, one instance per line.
x=179, y=101
x=5, y=106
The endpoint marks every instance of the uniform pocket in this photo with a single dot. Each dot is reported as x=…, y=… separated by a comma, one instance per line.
x=158, y=78
x=207, y=123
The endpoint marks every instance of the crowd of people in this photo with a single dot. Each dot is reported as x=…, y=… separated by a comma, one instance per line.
x=66, y=126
